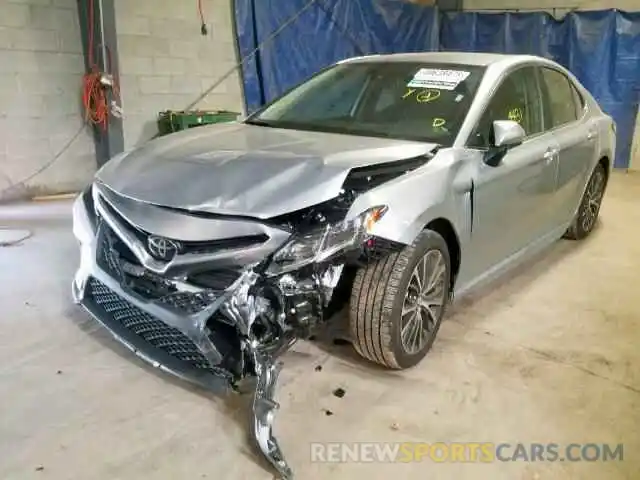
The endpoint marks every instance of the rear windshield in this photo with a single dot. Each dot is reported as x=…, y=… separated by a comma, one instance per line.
x=400, y=100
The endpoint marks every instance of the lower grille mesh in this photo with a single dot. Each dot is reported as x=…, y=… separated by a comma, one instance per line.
x=148, y=328
x=187, y=301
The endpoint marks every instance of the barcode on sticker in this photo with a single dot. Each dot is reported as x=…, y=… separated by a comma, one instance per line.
x=438, y=78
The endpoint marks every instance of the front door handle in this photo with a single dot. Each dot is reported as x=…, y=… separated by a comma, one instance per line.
x=549, y=155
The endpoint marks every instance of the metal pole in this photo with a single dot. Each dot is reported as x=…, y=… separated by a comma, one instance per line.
x=110, y=142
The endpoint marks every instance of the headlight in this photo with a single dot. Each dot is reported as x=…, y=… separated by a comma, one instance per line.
x=318, y=245
x=83, y=226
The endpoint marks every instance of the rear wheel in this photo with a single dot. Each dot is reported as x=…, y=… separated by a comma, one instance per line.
x=589, y=208
x=397, y=303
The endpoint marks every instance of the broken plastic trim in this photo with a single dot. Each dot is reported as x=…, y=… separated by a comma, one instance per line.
x=267, y=314
x=264, y=407
x=244, y=307
x=365, y=178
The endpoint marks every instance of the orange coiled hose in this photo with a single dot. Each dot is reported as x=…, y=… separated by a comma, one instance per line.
x=94, y=94
x=94, y=99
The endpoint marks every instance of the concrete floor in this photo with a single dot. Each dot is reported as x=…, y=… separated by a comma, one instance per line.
x=549, y=355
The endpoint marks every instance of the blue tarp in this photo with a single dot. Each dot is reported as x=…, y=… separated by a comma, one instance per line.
x=325, y=31
x=601, y=48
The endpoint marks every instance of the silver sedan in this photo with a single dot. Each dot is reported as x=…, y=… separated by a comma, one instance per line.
x=383, y=184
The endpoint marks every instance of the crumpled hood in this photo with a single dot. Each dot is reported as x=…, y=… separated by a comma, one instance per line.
x=239, y=169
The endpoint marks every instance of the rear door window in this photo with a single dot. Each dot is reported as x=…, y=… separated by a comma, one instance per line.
x=578, y=100
x=561, y=95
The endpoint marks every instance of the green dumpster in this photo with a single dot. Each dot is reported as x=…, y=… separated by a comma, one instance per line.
x=171, y=121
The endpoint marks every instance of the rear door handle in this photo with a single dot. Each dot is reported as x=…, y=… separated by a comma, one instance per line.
x=591, y=135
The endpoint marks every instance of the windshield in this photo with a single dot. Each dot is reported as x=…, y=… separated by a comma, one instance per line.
x=402, y=100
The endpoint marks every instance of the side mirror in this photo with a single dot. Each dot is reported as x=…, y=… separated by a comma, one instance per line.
x=506, y=134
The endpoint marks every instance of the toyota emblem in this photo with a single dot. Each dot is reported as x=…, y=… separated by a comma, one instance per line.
x=162, y=248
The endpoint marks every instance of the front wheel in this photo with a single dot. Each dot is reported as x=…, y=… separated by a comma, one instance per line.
x=397, y=303
x=589, y=208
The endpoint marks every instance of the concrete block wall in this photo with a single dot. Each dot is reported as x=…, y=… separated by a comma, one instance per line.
x=165, y=62
x=41, y=67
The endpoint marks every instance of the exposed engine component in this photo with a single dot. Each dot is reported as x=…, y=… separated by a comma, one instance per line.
x=223, y=319
x=358, y=181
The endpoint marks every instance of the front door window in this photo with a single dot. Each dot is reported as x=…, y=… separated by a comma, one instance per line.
x=517, y=99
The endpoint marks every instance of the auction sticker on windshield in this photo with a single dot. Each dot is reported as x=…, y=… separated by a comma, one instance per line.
x=437, y=78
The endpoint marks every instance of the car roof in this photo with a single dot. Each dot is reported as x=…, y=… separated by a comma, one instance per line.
x=465, y=58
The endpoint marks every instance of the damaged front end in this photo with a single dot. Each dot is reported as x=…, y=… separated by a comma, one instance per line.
x=216, y=299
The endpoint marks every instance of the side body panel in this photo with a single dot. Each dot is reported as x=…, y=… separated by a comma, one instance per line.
x=512, y=204
x=577, y=145
x=439, y=189
x=567, y=117
x=501, y=215
x=582, y=144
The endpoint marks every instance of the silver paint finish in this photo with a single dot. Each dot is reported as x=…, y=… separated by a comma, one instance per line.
x=516, y=204
x=575, y=144
x=512, y=204
x=178, y=224
x=236, y=302
x=480, y=59
x=182, y=262
x=241, y=174
x=247, y=170
x=193, y=326
x=507, y=133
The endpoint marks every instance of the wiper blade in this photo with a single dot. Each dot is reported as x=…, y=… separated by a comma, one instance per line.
x=259, y=123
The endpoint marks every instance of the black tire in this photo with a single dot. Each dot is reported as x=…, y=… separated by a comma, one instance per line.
x=587, y=214
x=378, y=299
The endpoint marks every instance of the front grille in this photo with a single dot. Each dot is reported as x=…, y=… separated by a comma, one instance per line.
x=115, y=258
x=106, y=256
x=142, y=237
x=213, y=246
x=188, y=302
x=148, y=328
x=219, y=279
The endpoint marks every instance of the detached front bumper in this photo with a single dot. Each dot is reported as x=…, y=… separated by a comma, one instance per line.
x=177, y=341
x=154, y=341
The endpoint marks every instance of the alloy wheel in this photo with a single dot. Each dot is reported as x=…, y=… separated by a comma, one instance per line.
x=592, y=200
x=423, y=302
